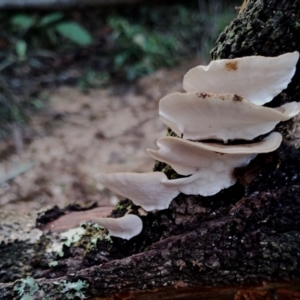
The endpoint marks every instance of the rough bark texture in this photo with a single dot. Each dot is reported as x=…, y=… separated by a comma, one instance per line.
x=246, y=235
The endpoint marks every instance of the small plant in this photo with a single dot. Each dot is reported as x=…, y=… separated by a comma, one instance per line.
x=139, y=51
x=42, y=30
x=31, y=34
x=33, y=45
x=93, y=79
x=26, y=51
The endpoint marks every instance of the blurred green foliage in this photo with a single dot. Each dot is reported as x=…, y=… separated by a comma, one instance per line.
x=74, y=32
x=118, y=44
x=93, y=79
x=42, y=30
x=138, y=50
x=30, y=39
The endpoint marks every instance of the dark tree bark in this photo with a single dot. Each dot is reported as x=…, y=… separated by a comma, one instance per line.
x=244, y=242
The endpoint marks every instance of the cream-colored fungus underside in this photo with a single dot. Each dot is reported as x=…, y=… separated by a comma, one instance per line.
x=206, y=112
x=256, y=78
x=125, y=227
x=144, y=189
x=204, y=183
x=220, y=116
x=211, y=165
x=187, y=157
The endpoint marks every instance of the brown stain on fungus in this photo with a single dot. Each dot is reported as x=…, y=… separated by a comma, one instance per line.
x=237, y=98
x=231, y=66
x=202, y=95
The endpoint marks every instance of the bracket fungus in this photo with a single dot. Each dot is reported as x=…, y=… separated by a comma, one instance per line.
x=211, y=165
x=256, y=78
x=144, y=189
x=222, y=103
x=220, y=116
x=125, y=227
x=187, y=157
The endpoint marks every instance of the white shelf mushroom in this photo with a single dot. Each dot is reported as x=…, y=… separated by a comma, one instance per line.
x=187, y=157
x=206, y=112
x=144, y=189
x=202, y=183
x=256, y=78
x=125, y=227
x=220, y=116
x=211, y=165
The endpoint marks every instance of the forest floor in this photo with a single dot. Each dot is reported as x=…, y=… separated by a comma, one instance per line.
x=79, y=135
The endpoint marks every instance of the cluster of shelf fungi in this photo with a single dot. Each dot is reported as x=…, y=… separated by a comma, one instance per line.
x=222, y=104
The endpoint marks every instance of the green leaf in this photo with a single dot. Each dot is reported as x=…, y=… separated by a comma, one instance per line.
x=22, y=21
x=50, y=18
x=120, y=59
x=21, y=48
x=74, y=32
x=140, y=40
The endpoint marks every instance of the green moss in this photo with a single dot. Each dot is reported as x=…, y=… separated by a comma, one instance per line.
x=119, y=207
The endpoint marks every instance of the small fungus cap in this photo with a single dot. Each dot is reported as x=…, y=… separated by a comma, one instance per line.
x=125, y=227
x=202, y=183
x=187, y=157
x=144, y=189
x=256, y=78
x=223, y=117
x=211, y=166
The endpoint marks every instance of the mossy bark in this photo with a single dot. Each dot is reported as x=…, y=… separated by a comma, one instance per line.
x=246, y=235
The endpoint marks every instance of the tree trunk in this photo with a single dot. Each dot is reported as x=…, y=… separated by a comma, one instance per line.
x=242, y=243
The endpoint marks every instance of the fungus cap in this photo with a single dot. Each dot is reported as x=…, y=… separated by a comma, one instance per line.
x=211, y=165
x=125, y=227
x=187, y=157
x=220, y=116
x=256, y=78
x=144, y=189
x=202, y=183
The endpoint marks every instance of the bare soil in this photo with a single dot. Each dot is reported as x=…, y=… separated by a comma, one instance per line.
x=107, y=130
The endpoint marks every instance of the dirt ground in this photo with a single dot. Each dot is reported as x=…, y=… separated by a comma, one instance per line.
x=106, y=130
